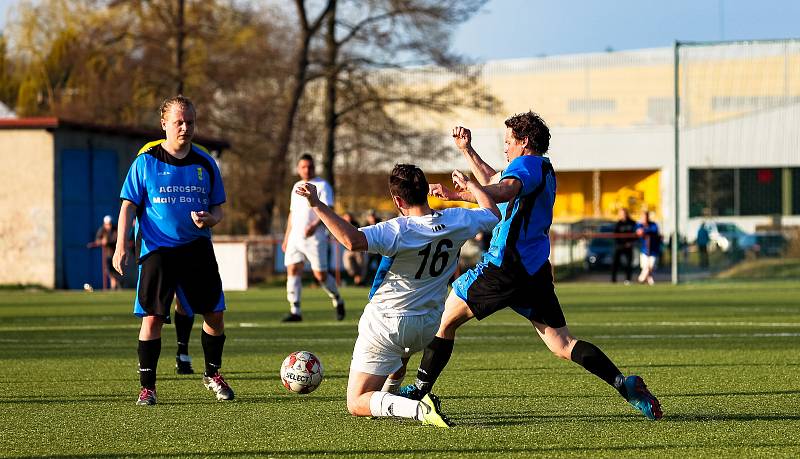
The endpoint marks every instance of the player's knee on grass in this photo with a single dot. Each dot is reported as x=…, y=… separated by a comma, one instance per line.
x=358, y=405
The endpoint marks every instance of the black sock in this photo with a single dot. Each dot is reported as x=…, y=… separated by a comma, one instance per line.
x=434, y=359
x=148, y=361
x=596, y=362
x=212, y=348
x=183, y=329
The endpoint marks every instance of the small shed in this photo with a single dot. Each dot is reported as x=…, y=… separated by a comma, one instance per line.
x=58, y=181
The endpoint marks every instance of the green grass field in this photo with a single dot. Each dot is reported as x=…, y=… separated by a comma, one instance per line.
x=724, y=359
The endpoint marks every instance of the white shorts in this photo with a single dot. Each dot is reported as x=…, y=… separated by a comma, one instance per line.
x=647, y=261
x=383, y=341
x=314, y=249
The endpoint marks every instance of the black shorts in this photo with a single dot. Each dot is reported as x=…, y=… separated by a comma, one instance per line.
x=190, y=271
x=487, y=289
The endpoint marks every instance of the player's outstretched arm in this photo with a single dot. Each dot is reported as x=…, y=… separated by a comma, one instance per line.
x=126, y=213
x=463, y=140
x=348, y=235
x=485, y=201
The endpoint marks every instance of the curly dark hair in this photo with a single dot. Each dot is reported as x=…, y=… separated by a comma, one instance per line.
x=179, y=100
x=408, y=182
x=531, y=126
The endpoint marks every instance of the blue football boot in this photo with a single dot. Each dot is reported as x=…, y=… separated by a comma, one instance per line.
x=641, y=398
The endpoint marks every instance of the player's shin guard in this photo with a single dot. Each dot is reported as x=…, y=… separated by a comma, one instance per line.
x=382, y=404
x=149, y=351
x=183, y=330
x=596, y=362
x=434, y=359
x=212, y=349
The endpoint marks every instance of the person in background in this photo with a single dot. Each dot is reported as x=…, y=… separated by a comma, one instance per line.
x=353, y=260
x=650, y=250
x=702, y=244
x=106, y=239
x=623, y=246
x=307, y=239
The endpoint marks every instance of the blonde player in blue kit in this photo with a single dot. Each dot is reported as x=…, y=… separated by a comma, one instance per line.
x=176, y=193
x=420, y=252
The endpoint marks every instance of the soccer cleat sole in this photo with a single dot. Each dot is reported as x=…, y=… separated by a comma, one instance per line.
x=435, y=417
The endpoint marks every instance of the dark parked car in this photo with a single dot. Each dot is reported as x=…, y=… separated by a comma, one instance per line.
x=600, y=250
x=763, y=244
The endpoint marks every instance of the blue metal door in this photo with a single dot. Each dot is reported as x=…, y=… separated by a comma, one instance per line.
x=89, y=191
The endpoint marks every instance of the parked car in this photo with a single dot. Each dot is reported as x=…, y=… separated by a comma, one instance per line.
x=600, y=250
x=724, y=235
x=763, y=244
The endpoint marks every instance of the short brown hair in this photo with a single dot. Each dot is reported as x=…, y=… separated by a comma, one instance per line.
x=179, y=100
x=408, y=182
x=530, y=126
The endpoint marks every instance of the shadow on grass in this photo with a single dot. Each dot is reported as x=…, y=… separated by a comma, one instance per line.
x=706, y=365
x=587, y=451
x=727, y=394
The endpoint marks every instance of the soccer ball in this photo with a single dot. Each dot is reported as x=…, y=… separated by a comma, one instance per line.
x=301, y=372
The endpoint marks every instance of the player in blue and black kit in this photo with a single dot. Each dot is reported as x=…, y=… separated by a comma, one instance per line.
x=515, y=272
x=175, y=191
x=647, y=230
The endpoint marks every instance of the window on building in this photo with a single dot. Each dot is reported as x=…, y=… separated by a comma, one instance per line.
x=751, y=191
x=760, y=191
x=747, y=103
x=711, y=192
x=592, y=105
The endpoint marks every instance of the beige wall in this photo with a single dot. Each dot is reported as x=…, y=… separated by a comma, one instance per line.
x=27, y=218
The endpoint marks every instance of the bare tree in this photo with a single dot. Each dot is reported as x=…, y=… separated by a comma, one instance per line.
x=368, y=45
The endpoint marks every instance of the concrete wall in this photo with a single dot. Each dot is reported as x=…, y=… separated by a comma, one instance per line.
x=27, y=214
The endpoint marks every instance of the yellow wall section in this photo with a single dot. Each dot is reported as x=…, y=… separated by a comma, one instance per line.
x=634, y=190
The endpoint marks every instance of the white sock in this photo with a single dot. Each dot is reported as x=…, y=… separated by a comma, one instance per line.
x=385, y=404
x=294, y=284
x=392, y=386
x=330, y=287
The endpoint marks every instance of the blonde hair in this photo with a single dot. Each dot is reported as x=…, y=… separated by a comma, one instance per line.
x=179, y=100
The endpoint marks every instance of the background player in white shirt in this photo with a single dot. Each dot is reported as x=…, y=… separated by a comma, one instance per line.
x=420, y=253
x=306, y=239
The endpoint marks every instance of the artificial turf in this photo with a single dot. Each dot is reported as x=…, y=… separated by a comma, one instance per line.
x=724, y=359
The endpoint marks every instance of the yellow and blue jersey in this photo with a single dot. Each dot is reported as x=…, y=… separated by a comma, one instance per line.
x=166, y=190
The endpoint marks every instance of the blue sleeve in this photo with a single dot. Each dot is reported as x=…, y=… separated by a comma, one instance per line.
x=217, y=194
x=133, y=188
x=520, y=169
